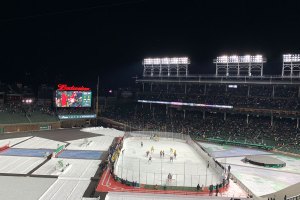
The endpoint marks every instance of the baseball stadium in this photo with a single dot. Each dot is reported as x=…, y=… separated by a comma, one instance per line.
x=150, y=100
x=230, y=135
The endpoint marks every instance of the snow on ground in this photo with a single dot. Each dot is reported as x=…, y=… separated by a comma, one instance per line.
x=79, y=169
x=25, y=188
x=39, y=143
x=188, y=169
x=260, y=180
x=18, y=165
x=12, y=141
x=292, y=164
x=264, y=181
x=100, y=143
x=148, y=196
x=64, y=189
x=220, y=151
x=104, y=131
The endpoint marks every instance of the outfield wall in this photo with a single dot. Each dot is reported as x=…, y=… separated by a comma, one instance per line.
x=7, y=128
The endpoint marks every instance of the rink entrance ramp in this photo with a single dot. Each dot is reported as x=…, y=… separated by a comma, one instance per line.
x=26, y=152
x=80, y=154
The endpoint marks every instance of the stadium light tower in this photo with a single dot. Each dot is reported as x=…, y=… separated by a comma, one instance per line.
x=175, y=66
x=291, y=65
x=235, y=65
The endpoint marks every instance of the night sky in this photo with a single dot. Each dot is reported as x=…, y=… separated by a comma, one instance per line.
x=74, y=41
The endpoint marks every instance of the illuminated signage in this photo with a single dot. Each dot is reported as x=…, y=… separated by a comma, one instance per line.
x=186, y=104
x=88, y=116
x=64, y=87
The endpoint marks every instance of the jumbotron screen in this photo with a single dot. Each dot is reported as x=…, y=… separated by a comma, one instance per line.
x=73, y=98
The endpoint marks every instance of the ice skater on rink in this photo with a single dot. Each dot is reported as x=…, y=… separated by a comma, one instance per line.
x=152, y=149
x=175, y=154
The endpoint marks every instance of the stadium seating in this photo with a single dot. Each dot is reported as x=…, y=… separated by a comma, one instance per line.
x=203, y=123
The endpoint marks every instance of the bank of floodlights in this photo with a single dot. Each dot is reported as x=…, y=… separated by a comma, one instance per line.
x=291, y=65
x=291, y=57
x=240, y=59
x=166, y=66
x=247, y=65
x=166, y=61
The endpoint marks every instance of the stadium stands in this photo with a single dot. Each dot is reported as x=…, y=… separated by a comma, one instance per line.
x=263, y=115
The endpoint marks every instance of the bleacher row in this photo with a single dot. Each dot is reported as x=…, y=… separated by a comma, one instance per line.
x=283, y=134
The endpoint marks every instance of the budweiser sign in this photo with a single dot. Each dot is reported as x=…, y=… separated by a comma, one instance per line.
x=66, y=87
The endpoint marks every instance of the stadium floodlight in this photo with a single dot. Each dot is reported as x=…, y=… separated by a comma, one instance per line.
x=291, y=58
x=240, y=59
x=222, y=59
x=245, y=59
x=256, y=59
x=233, y=59
x=167, y=61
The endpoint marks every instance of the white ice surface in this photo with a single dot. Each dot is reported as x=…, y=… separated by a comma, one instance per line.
x=18, y=165
x=188, y=169
x=39, y=143
x=78, y=169
x=99, y=143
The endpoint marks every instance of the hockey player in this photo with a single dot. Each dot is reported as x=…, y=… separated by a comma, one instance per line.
x=163, y=153
x=150, y=159
x=147, y=153
x=160, y=153
x=171, y=158
x=142, y=144
x=152, y=149
x=171, y=150
x=175, y=154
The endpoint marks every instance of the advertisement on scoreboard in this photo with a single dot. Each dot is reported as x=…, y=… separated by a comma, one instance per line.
x=73, y=98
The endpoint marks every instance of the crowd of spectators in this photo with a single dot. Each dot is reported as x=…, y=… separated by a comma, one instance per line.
x=27, y=110
x=262, y=97
x=281, y=132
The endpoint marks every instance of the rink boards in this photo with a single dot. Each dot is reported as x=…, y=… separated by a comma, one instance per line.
x=188, y=168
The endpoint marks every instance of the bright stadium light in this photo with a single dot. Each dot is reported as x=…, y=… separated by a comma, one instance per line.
x=291, y=58
x=233, y=59
x=222, y=59
x=256, y=59
x=166, y=61
x=240, y=59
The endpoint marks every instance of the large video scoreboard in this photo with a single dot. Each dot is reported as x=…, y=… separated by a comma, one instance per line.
x=73, y=96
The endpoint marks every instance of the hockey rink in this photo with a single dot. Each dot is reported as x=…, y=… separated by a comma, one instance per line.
x=259, y=180
x=188, y=168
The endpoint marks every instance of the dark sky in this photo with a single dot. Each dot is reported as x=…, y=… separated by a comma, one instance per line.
x=74, y=41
